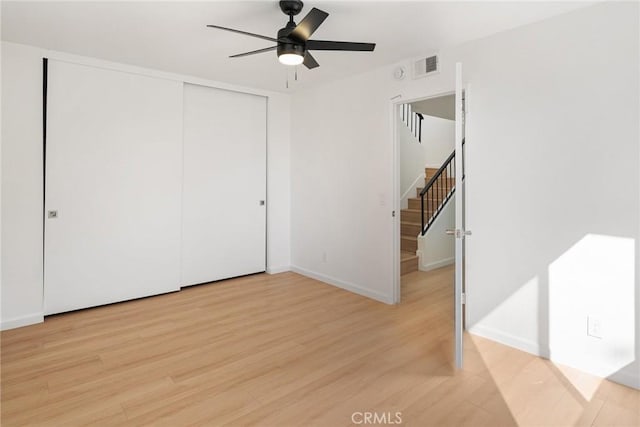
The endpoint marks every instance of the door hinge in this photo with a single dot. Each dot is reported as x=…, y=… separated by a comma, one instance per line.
x=393, y=214
x=464, y=298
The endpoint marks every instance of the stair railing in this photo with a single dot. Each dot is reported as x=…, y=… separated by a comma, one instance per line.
x=413, y=121
x=438, y=191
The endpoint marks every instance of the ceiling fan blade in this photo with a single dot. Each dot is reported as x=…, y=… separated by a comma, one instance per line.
x=308, y=25
x=331, y=45
x=271, y=39
x=253, y=52
x=309, y=61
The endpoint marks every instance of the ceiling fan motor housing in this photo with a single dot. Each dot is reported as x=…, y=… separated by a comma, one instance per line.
x=289, y=46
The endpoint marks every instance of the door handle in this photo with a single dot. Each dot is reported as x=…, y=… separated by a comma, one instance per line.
x=458, y=233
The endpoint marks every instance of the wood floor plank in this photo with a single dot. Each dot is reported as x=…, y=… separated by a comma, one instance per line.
x=285, y=350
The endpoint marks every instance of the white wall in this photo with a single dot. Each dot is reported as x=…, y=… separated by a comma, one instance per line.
x=413, y=159
x=436, y=248
x=21, y=294
x=438, y=137
x=21, y=286
x=341, y=189
x=561, y=121
x=548, y=122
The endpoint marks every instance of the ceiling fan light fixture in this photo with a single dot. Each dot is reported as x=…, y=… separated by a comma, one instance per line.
x=290, y=53
x=293, y=44
x=291, y=59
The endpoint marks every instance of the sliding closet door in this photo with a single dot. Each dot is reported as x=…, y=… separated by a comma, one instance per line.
x=113, y=186
x=224, y=212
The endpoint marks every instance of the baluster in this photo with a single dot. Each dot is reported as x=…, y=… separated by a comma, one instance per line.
x=432, y=205
x=422, y=213
x=443, y=191
x=429, y=205
x=438, y=185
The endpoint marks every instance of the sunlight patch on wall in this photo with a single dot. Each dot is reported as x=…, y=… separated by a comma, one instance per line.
x=591, y=305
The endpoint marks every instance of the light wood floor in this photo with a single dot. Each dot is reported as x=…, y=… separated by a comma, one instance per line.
x=285, y=350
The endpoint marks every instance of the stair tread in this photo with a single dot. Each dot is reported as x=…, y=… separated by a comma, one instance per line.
x=404, y=255
x=408, y=236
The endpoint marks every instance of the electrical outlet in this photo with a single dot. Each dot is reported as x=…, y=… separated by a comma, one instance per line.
x=594, y=327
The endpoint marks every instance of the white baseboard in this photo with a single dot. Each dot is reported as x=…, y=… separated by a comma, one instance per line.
x=351, y=287
x=507, y=339
x=18, y=322
x=621, y=376
x=276, y=270
x=436, y=264
x=626, y=378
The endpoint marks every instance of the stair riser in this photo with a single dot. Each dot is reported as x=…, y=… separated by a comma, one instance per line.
x=409, y=229
x=428, y=176
x=415, y=203
x=414, y=216
x=408, y=245
x=408, y=266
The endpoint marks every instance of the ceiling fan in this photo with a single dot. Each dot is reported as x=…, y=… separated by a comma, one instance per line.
x=293, y=43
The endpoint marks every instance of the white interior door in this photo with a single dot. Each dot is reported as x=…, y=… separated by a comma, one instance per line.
x=113, y=185
x=224, y=212
x=460, y=231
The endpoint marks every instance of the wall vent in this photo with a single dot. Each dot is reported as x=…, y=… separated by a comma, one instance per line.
x=426, y=66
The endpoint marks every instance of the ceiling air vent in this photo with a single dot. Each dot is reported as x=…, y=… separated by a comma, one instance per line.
x=425, y=66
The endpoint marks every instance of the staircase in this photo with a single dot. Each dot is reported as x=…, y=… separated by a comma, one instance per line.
x=412, y=219
x=422, y=210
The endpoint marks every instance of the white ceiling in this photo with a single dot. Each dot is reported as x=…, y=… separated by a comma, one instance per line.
x=172, y=36
x=442, y=106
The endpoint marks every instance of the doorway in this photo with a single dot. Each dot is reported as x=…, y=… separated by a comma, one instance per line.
x=425, y=133
x=431, y=205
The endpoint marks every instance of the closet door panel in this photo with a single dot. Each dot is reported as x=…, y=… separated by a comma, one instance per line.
x=113, y=186
x=224, y=217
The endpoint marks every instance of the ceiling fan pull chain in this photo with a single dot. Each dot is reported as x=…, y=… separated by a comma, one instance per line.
x=296, y=73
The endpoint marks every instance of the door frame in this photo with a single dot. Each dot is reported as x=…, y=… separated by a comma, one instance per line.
x=395, y=105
